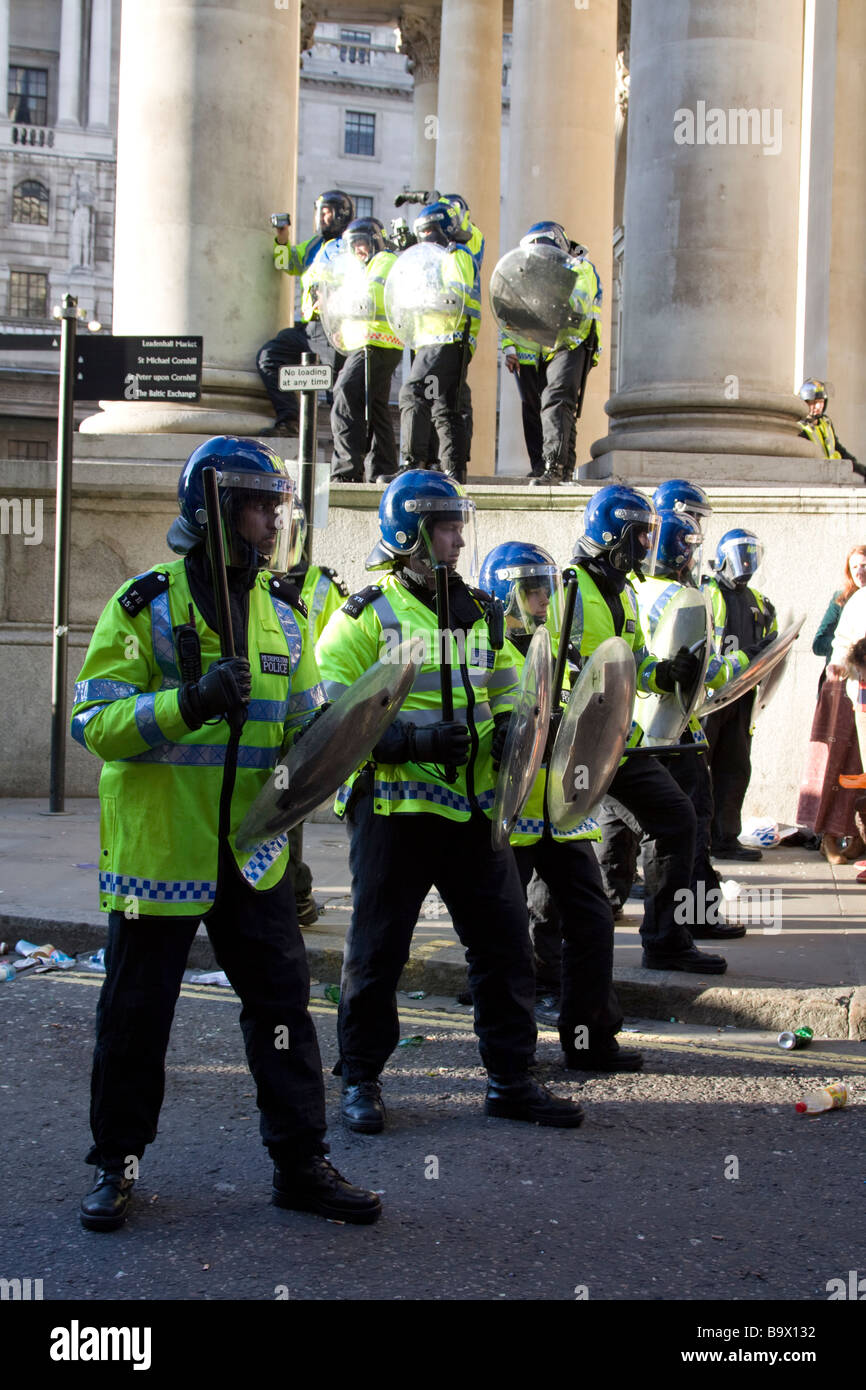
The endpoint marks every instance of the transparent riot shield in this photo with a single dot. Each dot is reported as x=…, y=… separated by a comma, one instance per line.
x=686, y=622
x=535, y=298
x=757, y=670
x=424, y=296
x=527, y=736
x=592, y=735
x=341, y=738
x=346, y=304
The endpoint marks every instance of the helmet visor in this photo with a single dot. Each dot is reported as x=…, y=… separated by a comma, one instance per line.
x=535, y=599
x=684, y=560
x=642, y=528
x=741, y=556
x=446, y=534
x=257, y=510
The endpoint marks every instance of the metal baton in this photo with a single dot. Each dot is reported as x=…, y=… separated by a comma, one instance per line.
x=443, y=619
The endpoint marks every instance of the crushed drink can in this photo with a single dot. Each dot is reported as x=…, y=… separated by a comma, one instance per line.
x=791, y=1041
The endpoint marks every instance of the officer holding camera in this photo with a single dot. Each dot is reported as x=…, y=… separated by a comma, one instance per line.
x=334, y=211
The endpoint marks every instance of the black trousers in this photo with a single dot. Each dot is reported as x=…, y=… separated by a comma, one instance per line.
x=617, y=851
x=529, y=383
x=395, y=860
x=298, y=873
x=560, y=403
x=348, y=422
x=585, y=936
x=428, y=400
x=286, y=350
x=667, y=819
x=730, y=762
x=692, y=774
x=258, y=943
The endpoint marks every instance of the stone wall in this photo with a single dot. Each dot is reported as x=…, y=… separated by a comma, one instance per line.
x=121, y=513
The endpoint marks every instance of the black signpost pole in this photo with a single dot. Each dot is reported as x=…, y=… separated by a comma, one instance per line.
x=307, y=427
x=65, y=423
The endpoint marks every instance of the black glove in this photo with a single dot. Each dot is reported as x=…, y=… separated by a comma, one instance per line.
x=757, y=647
x=447, y=743
x=681, y=669
x=500, y=734
x=224, y=688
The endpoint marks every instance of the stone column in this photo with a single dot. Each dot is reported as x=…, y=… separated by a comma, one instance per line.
x=467, y=162
x=561, y=162
x=706, y=366
x=419, y=40
x=207, y=140
x=846, y=359
x=4, y=52
x=69, y=81
x=100, y=65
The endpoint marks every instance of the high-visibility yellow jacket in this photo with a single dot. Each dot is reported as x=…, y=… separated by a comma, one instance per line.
x=461, y=271
x=587, y=295
x=161, y=784
x=373, y=624
x=307, y=260
x=821, y=432
x=323, y=592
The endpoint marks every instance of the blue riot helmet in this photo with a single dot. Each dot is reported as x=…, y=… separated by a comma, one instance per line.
x=623, y=525
x=461, y=207
x=365, y=233
x=738, y=555
x=547, y=234
x=678, y=495
x=425, y=519
x=527, y=582
x=256, y=498
x=342, y=207
x=814, y=392
x=439, y=223
x=679, y=548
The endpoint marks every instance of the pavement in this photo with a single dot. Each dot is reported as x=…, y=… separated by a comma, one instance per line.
x=801, y=963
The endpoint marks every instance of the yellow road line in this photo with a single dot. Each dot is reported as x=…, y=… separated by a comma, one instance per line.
x=818, y=1058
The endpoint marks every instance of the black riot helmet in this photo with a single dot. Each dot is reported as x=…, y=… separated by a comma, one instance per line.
x=365, y=232
x=342, y=207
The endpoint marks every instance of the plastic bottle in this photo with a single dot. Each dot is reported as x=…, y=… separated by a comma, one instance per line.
x=831, y=1097
x=7, y=972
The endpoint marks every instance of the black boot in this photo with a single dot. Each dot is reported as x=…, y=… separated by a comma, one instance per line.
x=315, y=1185
x=694, y=961
x=362, y=1107
x=732, y=849
x=551, y=477
x=606, y=1055
x=105, y=1206
x=518, y=1098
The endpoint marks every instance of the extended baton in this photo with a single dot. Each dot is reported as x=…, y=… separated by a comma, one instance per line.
x=443, y=619
x=219, y=578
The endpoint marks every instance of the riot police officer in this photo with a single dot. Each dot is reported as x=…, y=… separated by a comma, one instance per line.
x=435, y=394
x=188, y=739
x=418, y=812
x=333, y=212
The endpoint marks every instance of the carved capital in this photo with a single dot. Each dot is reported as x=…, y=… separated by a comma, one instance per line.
x=419, y=40
x=309, y=20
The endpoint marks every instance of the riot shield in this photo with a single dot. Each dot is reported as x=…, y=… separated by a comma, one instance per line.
x=686, y=622
x=346, y=304
x=424, y=296
x=535, y=298
x=757, y=670
x=592, y=735
x=525, y=743
x=339, y=740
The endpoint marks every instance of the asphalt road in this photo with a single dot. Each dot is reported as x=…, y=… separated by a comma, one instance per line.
x=694, y=1180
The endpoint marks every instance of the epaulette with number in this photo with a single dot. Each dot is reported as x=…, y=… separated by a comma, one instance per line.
x=494, y=615
x=356, y=603
x=335, y=579
x=143, y=591
x=282, y=587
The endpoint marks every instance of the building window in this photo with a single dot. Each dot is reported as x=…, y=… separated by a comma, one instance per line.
x=363, y=204
x=28, y=95
x=360, y=135
x=28, y=294
x=355, y=45
x=29, y=449
x=30, y=203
